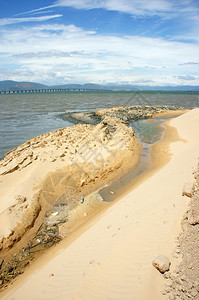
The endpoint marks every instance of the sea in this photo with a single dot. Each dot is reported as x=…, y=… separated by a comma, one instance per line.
x=24, y=116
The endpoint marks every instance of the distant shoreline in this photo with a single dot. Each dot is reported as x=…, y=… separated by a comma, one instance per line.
x=15, y=86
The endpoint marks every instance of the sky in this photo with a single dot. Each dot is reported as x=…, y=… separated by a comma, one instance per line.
x=135, y=42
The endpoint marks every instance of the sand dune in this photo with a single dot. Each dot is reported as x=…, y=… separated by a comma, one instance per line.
x=112, y=258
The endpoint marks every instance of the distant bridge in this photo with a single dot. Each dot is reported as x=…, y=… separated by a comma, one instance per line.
x=32, y=91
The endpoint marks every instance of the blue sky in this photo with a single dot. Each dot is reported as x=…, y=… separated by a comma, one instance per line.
x=138, y=42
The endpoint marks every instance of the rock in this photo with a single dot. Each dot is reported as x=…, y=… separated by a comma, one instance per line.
x=174, y=276
x=189, y=285
x=172, y=297
x=193, y=217
x=179, y=281
x=167, y=289
x=167, y=275
x=187, y=189
x=55, y=213
x=82, y=182
x=194, y=293
x=21, y=199
x=161, y=263
x=183, y=277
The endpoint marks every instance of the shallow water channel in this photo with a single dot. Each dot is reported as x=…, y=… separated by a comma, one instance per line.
x=149, y=132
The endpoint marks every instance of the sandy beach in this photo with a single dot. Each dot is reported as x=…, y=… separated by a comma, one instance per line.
x=111, y=256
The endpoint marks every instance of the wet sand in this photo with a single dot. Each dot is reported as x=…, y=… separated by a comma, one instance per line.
x=112, y=255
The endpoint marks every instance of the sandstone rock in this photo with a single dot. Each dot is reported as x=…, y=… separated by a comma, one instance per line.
x=194, y=293
x=172, y=297
x=167, y=275
x=83, y=182
x=162, y=263
x=193, y=217
x=167, y=289
x=187, y=189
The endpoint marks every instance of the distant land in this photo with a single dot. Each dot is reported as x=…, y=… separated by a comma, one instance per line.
x=9, y=85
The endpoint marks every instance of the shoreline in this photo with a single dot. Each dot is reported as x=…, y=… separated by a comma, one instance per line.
x=51, y=172
x=156, y=150
x=31, y=154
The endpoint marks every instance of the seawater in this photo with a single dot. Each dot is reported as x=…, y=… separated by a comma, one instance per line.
x=148, y=132
x=23, y=116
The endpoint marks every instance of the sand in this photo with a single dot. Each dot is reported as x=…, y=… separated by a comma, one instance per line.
x=112, y=257
x=42, y=182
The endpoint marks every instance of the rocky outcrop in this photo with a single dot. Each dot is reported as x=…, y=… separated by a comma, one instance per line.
x=125, y=114
x=183, y=282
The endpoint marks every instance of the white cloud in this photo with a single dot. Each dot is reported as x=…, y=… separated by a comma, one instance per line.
x=8, y=21
x=187, y=77
x=190, y=63
x=127, y=6
x=166, y=9
x=162, y=8
x=58, y=53
x=36, y=10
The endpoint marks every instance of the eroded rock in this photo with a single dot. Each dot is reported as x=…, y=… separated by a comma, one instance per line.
x=187, y=189
x=162, y=263
x=193, y=217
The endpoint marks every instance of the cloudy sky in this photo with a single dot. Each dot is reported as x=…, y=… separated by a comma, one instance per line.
x=137, y=42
